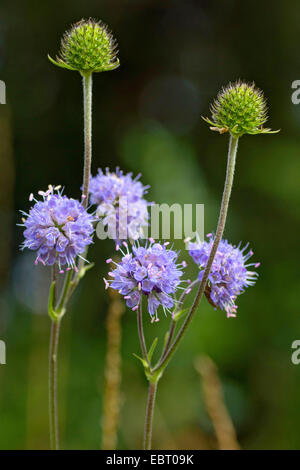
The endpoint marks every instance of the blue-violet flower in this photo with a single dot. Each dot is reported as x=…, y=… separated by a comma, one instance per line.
x=150, y=271
x=229, y=274
x=58, y=228
x=121, y=204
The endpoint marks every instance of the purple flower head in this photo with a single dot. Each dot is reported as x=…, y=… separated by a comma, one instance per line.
x=58, y=228
x=121, y=204
x=150, y=271
x=229, y=274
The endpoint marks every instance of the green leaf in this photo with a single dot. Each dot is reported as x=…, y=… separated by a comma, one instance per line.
x=84, y=269
x=179, y=314
x=52, y=314
x=151, y=350
x=142, y=360
x=166, y=339
x=61, y=64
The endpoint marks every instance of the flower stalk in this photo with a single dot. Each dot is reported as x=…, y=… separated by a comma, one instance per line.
x=232, y=152
x=69, y=284
x=53, y=407
x=152, y=388
x=87, y=79
x=153, y=374
x=141, y=333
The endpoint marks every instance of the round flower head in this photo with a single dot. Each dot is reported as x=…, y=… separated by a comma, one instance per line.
x=229, y=274
x=121, y=204
x=240, y=108
x=58, y=228
x=88, y=47
x=150, y=271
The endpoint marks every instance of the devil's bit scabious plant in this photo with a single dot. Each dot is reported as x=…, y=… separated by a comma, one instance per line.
x=120, y=203
x=149, y=272
x=229, y=274
x=59, y=228
x=239, y=109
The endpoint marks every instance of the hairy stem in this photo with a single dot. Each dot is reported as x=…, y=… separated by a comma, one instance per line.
x=87, y=107
x=149, y=415
x=141, y=332
x=232, y=151
x=87, y=82
x=173, y=321
x=53, y=412
x=69, y=284
x=153, y=385
x=65, y=292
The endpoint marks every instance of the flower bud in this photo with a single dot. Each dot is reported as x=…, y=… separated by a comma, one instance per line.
x=240, y=108
x=88, y=47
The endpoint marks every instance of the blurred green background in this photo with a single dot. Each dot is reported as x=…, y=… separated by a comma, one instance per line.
x=175, y=56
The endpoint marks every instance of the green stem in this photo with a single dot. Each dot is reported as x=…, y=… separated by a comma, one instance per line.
x=149, y=415
x=141, y=332
x=174, y=322
x=69, y=284
x=87, y=107
x=153, y=379
x=232, y=151
x=87, y=81
x=53, y=413
x=65, y=291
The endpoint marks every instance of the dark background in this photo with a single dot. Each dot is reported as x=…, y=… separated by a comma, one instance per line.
x=175, y=56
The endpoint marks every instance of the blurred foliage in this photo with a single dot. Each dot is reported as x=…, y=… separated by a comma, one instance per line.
x=175, y=55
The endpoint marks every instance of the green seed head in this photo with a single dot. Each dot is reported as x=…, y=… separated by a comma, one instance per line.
x=240, y=108
x=88, y=47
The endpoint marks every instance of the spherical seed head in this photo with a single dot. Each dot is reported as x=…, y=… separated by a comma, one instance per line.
x=240, y=108
x=88, y=47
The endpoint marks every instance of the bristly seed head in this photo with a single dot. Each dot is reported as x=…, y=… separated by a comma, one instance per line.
x=88, y=47
x=240, y=108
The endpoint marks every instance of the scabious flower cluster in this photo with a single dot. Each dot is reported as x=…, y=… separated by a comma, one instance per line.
x=229, y=274
x=121, y=204
x=150, y=271
x=58, y=228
